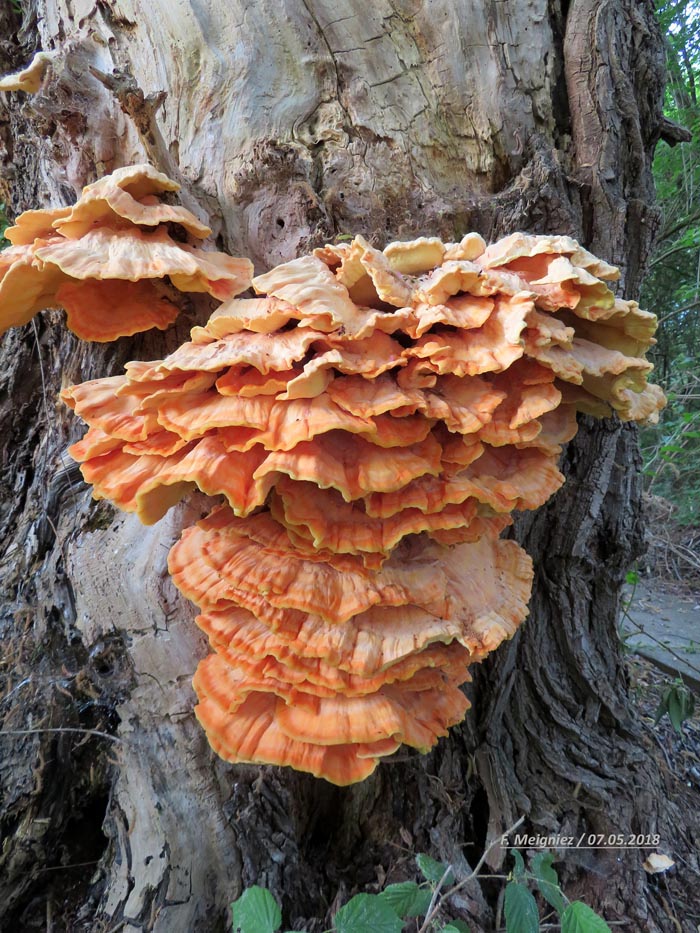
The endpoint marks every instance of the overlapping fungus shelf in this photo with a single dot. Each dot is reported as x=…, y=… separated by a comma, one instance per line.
x=114, y=261
x=371, y=421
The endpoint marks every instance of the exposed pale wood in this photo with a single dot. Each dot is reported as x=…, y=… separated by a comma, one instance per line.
x=287, y=124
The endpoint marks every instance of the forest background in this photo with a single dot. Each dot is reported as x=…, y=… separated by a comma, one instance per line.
x=672, y=290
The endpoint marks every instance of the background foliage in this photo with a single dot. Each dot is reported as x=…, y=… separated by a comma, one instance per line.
x=672, y=287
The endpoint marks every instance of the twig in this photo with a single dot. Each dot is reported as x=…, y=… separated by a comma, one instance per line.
x=433, y=906
x=103, y=735
x=643, y=631
x=435, y=903
x=66, y=867
x=640, y=628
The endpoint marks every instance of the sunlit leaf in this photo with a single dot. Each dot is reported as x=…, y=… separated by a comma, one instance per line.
x=579, y=918
x=548, y=880
x=256, y=911
x=407, y=898
x=520, y=909
x=432, y=870
x=367, y=913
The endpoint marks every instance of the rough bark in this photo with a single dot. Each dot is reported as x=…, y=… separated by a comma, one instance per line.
x=288, y=124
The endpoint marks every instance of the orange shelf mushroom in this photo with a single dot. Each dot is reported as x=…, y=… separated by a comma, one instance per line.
x=372, y=420
x=112, y=259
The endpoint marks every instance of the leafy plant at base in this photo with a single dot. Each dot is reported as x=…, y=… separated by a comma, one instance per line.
x=367, y=913
x=520, y=907
x=407, y=898
x=434, y=871
x=579, y=918
x=256, y=911
x=679, y=702
x=548, y=881
x=522, y=915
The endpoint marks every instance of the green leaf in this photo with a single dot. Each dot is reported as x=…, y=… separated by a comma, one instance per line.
x=685, y=701
x=579, y=918
x=432, y=870
x=632, y=577
x=663, y=706
x=451, y=928
x=367, y=913
x=678, y=702
x=548, y=880
x=256, y=911
x=520, y=910
x=519, y=869
x=675, y=710
x=458, y=925
x=407, y=899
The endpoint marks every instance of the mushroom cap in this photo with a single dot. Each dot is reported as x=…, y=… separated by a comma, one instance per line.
x=277, y=425
x=289, y=674
x=266, y=352
x=138, y=180
x=411, y=718
x=464, y=405
x=129, y=194
x=487, y=573
x=104, y=310
x=97, y=403
x=470, y=247
x=24, y=289
x=28, y=79
x=370, y=279
x=151, y=484
x=131, y=254
x=253, y=735
x=373, y=679
x=352, y=465
x=34, y=225
x=308, y=285
x=557, y=283
x=107, y=204
x=461, y=311
x=503, y=478
x=493, y=347
x=416, y=256
x=519, y=245
x=345, y=527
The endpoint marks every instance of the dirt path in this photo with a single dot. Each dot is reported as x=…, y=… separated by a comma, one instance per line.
x=671, y=629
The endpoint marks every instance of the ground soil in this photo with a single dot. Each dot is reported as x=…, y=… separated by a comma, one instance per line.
x=678, y=757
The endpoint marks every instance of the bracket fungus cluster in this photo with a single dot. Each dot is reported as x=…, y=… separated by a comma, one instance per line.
x=371, y=420
x=105, y=260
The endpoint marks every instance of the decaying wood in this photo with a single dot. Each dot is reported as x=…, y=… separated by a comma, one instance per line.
x=288, y=124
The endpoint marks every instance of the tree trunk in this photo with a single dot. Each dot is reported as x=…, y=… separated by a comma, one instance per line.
x=288, y=124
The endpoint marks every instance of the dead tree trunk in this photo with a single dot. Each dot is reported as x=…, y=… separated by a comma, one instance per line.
x=289, y=124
